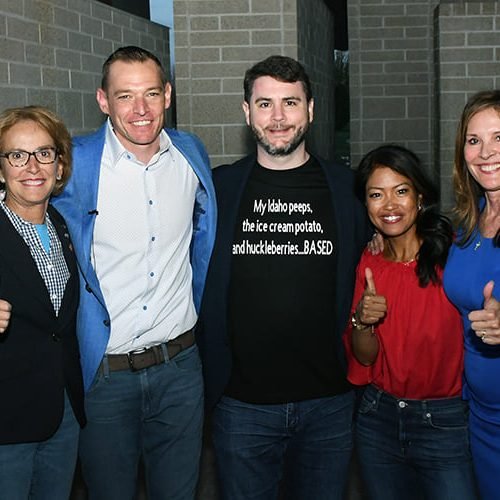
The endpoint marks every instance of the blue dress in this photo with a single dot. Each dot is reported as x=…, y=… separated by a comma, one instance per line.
x=467, y=271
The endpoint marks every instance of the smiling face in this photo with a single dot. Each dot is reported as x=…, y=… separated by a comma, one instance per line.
x=482, y=149
x=28, y=188
x=279, y=115
x=392, y=203
x=135, y=101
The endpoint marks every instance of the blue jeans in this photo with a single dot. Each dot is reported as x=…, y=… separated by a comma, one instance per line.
x=44, y=470
x=414, y=448
x=306, y=446
x=156, y=413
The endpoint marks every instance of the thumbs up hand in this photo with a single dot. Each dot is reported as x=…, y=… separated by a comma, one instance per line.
x=372, y=307
x=486, y=322
x=5, y=309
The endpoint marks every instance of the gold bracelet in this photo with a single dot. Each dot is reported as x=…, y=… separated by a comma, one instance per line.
x=357, y=325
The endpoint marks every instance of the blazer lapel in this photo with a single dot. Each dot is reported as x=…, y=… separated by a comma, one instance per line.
x=78, y=201
x=69, y=301
x=229, y=191
x=89, y=169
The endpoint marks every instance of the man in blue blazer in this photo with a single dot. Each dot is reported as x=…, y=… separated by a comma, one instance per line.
x=141, y=210
x=277, y=299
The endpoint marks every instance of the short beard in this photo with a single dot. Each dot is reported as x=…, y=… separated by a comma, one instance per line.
x=285, y=150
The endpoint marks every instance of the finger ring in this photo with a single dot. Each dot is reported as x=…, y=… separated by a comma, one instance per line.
x=483, y=335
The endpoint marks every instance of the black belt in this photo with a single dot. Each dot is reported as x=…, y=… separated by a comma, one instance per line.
x=144, y=358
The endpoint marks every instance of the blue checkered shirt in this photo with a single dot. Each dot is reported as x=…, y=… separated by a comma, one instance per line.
x=51, y=266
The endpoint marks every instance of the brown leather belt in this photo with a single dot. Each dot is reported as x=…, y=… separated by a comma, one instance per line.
x=145, y=358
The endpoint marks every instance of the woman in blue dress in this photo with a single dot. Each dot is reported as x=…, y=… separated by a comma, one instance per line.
x=472, y=277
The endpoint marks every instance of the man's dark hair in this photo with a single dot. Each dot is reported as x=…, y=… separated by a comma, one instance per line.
x=130, y=54
x=281, y=68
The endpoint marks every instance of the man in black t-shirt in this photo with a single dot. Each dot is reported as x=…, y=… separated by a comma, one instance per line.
x=277, y=299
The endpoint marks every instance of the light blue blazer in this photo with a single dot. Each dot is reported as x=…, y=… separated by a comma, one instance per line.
x=78, y=204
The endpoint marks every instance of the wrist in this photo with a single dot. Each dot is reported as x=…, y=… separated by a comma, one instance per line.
x=358, y=325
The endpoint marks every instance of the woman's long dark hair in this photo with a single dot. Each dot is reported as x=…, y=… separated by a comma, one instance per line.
x=432, y=228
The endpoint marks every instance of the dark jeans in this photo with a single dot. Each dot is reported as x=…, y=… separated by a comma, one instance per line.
x=44, y=470
x=307, y=445
x=414, y=448
x=156, y=413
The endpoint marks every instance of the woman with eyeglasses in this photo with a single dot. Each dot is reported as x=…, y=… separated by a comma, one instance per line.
x=41, y=389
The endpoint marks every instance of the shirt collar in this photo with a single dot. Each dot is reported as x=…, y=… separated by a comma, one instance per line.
x=14, y=217
x=116, y=151
x=22, y=226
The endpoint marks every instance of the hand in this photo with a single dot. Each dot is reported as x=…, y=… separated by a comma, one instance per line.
x=5, y=309
x=486, y=322
x=376, y=244
x=372, y=307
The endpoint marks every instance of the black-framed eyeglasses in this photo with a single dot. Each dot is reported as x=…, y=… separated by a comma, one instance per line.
x=20, y=158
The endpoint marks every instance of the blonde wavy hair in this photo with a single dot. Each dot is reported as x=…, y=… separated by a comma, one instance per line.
x=467, y=190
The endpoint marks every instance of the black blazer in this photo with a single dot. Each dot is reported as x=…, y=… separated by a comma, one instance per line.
x=352, y=233
x=39, y=355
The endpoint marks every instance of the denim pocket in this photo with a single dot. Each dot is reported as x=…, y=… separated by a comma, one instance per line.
x=453, y=417
x=187, y=360
x=96, y=383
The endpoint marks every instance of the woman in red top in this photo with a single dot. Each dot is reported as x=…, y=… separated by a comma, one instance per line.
x=405, y=341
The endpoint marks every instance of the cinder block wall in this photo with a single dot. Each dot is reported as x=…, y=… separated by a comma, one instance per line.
x=315, y=41
x=391, y=75
x=216, y=41
x=467, y=60
x=51, y=53
x=413, y=66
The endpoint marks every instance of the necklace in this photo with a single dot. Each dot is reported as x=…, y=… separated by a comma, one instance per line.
x=478, y=244
x=407, y=262
x=411, y=248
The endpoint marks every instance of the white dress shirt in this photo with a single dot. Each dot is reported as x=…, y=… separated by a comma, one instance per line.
x=141, y=244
